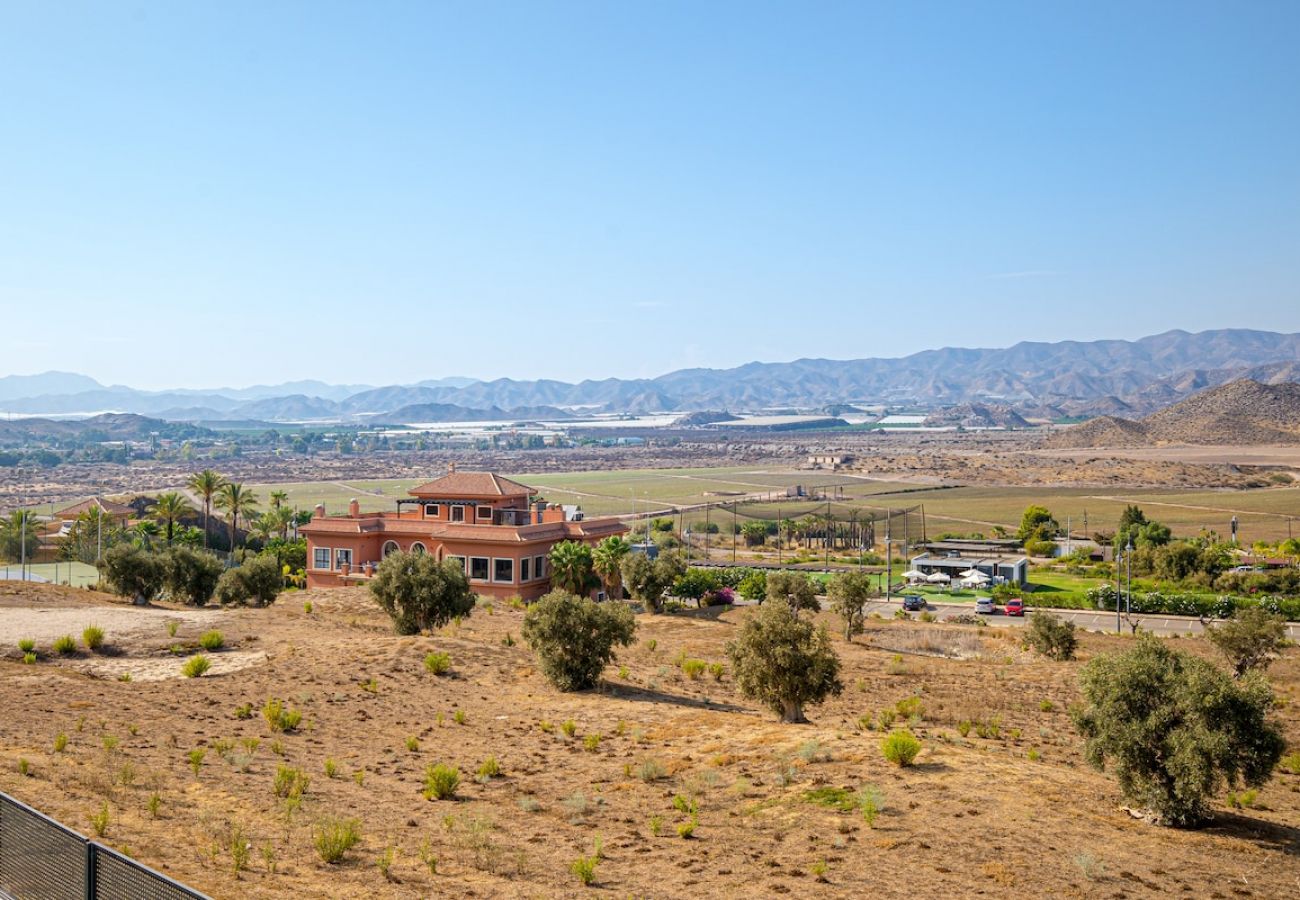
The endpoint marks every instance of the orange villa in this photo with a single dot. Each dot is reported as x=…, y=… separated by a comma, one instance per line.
x=492, y=526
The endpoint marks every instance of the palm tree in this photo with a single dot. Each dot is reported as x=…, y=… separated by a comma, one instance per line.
x=278, y=520
x=571, y=567
x=278, y=498
x=235, y=499
x=607, y=559
x=168, y=509
x=206, y=484
x=145, y=531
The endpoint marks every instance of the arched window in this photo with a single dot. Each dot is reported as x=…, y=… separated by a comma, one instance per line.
x=389, y=547
x=417, y=547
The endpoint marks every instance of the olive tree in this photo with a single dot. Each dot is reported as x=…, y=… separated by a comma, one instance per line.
x=255, y=582
x=795, y=588
x=134, y=572
x=1051, y=636
x=783, y=661
x=1173, y=728
x=647, y=580
x=420, y=593
x=574, y=637
x=191, y=575
x=1250, y=639
x=849, y=593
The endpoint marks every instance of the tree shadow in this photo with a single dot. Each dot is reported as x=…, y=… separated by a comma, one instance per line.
x=1272, y=835
x=649, y=695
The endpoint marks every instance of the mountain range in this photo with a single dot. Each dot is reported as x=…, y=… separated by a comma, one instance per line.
x=1037, y=380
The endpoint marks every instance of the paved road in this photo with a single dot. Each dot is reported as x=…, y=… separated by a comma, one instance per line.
x=1086, y=619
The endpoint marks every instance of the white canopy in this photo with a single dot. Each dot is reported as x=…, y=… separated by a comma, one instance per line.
x=974, y=575
x=937, y=578
x=911, y=574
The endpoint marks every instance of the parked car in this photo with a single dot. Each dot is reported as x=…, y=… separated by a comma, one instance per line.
x=913, y=602
x=984, y=606
x=1015, y=607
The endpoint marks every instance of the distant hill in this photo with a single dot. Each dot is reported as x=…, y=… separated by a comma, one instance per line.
x=418, y=413
x=1240, y=412
x=107, y=427
x=978, y=415
x=1045, y=380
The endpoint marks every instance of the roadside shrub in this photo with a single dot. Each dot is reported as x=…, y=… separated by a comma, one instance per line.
x=753, y=586
x=191, y=575
x=334, y=837
x=255, y=583
x=133, y=572
x=574, y=637
x=900, y=747
x=437, y=663
x=647, y=580
x=212, y=641
x=795, y=588
x=783, y=661
x=1173, y=728
x=65, y=645
x=440, y=782
x=419, y=593
x=1051, y=636
x=1249, y=640
x=196, y=666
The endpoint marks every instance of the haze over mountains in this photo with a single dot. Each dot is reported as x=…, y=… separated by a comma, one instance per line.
x=1067, y=378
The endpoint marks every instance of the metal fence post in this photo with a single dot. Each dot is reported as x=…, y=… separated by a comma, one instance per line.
x=90, y=870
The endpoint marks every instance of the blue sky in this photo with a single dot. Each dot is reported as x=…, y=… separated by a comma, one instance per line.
x=198, y=194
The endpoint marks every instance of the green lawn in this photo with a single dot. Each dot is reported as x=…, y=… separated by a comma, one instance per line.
x=78, y=574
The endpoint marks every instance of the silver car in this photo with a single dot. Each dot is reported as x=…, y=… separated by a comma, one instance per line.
x=984, y=606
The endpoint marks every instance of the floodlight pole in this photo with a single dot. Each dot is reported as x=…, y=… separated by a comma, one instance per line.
x=1118, y=560
x=22, y=545
x=1128, y=578
x=828, y=535
x=889, y=563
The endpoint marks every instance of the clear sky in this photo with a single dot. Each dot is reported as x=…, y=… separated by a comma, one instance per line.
x=198, y=194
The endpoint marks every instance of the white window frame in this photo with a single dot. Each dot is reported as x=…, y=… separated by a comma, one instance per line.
x=339, y=553
x=525, y=569
x=539, y=566
x=454, y=517
x=431, y=511
x=496, y=561
x=417, y=547
x=479, y=512
x=315, y=558
x=488, y=565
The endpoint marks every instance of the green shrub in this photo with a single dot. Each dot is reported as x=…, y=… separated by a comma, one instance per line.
x=1051, y=636
x=99, y=821
x=693, y=668
x=489, y=768
x=413, y=744
x=651, y=770
x=134, y=572
x=255, y=583
x=437, y=663
x=716, y=670
x=212, y=641
x=440, y=782
x=574, y=637
x=26, y=645
x=60, y=742
x=290, y=782
x=334, y=837
x=782, y=660
x=900, y=747
x=190, y=576
x=419, y=593
x=1250, y=639
x=280, y=717
x=65, y=645
x=331, y=768
x=591, y=742
x=871, y=802
x=195, y=758
x=569, y=727
x=29, y=658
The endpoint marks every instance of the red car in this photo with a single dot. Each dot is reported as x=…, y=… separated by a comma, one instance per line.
x=1015, y=607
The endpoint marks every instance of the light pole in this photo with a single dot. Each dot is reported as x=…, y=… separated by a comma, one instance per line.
x=1128, y=578
x=1118, y=560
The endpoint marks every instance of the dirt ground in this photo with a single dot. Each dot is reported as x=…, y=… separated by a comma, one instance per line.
x=975, y=816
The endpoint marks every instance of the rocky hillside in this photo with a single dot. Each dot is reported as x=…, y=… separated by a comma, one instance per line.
x=1241, y=412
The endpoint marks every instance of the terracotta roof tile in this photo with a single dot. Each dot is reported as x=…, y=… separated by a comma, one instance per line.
x=472, y=484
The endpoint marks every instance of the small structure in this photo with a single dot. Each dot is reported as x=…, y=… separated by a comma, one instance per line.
x=998, y=569
x=111, y=509
x=829, y=460
x=494, y=528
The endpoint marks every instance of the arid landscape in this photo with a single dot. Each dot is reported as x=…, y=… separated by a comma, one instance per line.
x=999, y=803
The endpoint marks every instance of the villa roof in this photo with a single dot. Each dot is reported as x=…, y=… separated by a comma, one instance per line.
x=472, y=484
x=109, y=507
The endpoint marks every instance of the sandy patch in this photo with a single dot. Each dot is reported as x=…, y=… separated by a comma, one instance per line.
x=120, y=623
x=163, y=667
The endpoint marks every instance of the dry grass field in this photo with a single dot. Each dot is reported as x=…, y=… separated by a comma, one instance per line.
x=1011, y=813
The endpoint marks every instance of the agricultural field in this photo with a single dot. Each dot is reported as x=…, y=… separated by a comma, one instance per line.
x=671, y=785
x=1263, y=513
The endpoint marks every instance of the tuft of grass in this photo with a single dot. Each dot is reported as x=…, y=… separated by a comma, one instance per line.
x=154, y=804
x=429, y=858
x=871, y=802
x=441, y=781
x=458, y=717
x=546, y=726
x=99, y=821
x=385, y=862
x=717, y=670
x=307, y=607
x=29, y=658
x=212, y=641
x=1291, y=763
x=195, y=758
x=1047, y=706
x=489, y=768
x=334, y=837
x=110, y=742
x=413, y=744
x=900, y=747
x=569, y=727
x=240, y=848
x=60, y=742
x=1034, y=755
x=437, y=663
x=835, y=797
x=651, y=770
x=651, y=645
x=26, y=645
x=280, y=717
x=686, y=829
x=584, y=867
x=359, y=776
x=65, y=645
x=656, y=825
x=125, y=678
x=819, y=868
x=196, y=665
x=591, y=742
x=694, y=668
x=331, y=768
x=93, y=637
x=24, y=767
x=171, y=628
x=290, y=782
